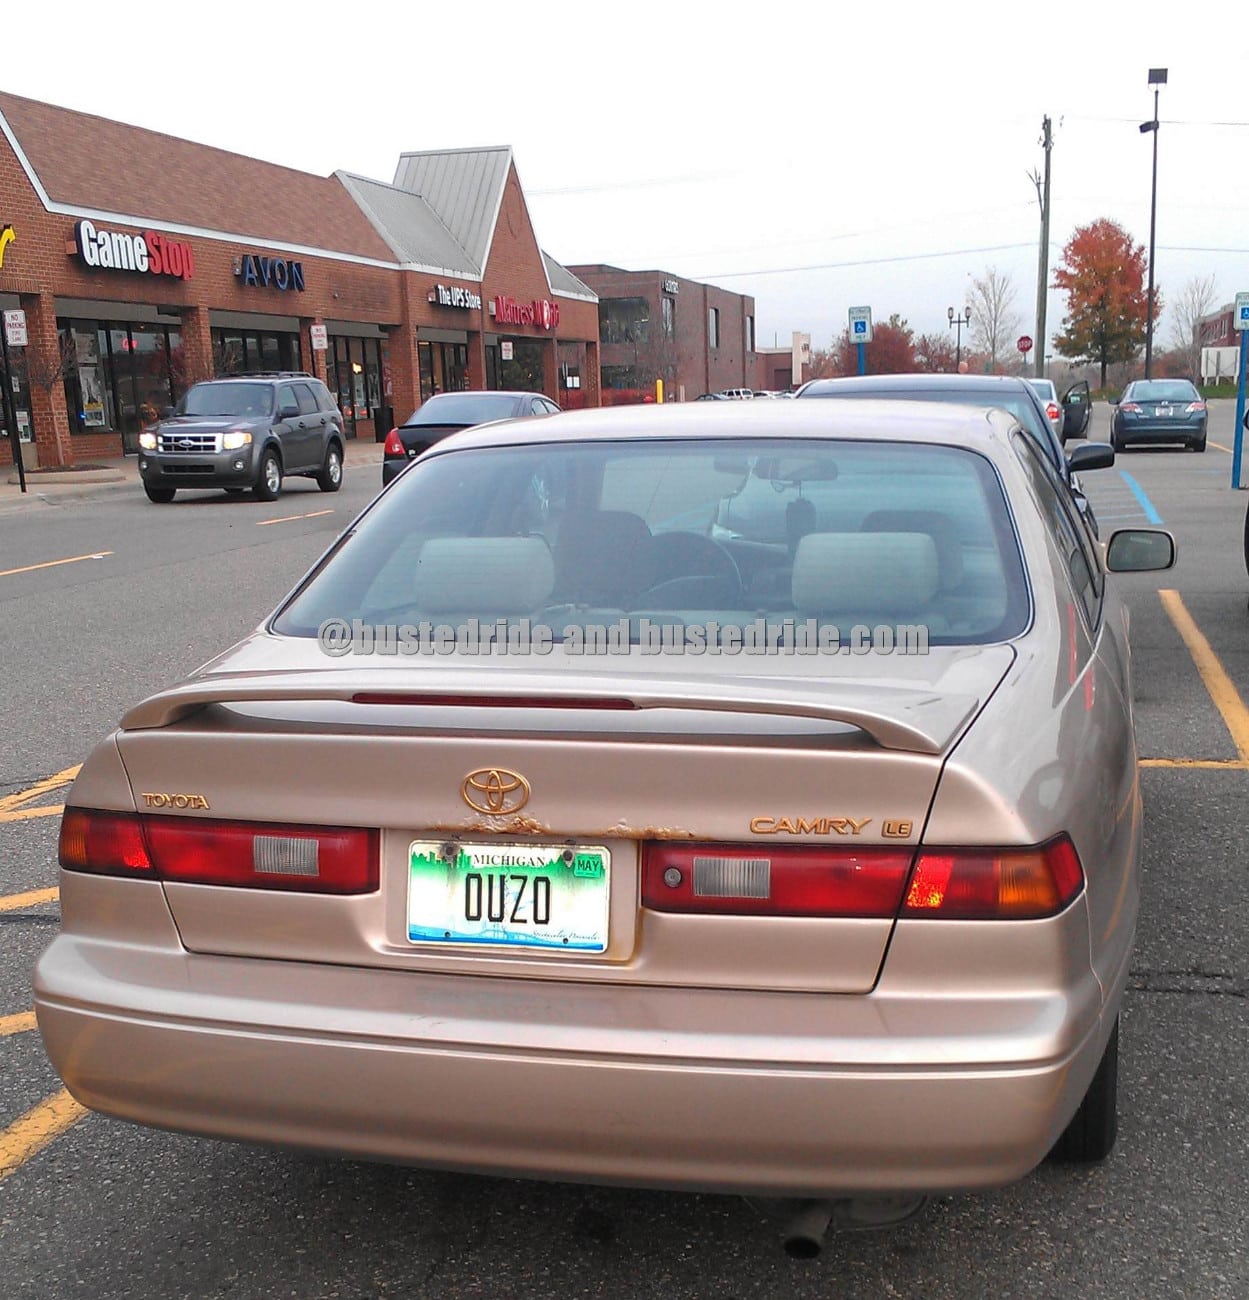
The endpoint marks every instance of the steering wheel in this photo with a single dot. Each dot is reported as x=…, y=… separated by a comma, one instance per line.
x=691, y=571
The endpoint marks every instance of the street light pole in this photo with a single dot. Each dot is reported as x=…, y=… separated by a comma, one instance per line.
x=957, y=323
x=1157, y=77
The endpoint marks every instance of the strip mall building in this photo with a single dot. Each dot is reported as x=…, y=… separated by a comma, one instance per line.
x=144, y=263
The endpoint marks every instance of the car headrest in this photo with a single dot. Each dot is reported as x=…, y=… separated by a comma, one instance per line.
x=940, y=527
x=864, y=573
x=503, y=575
x=605, y=557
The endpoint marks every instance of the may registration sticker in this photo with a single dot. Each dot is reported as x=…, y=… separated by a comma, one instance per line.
x=509, y=895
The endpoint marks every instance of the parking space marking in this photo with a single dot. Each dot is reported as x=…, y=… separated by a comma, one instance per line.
x=1142, y=497
x=25, y=814
x=23, y=1022
x=46, y=786
x=1221, y=447
x=1219, y=685
x=52, y=564
x=32, y=898
x=1206, y=764
x=42, y=1124
x=286, y=519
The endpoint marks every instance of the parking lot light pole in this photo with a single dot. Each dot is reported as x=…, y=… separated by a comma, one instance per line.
x=1157, y=77
x=957, y=323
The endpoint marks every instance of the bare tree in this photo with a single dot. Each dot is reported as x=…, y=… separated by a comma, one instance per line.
x=994, y=320
x=1194, y=301
x=46, y=368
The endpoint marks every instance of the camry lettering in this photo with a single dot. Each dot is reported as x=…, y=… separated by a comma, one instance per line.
x=808, y=825
x=146, y=254
x=157, y=800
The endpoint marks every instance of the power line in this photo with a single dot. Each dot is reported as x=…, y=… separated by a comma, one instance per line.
x=870, y=261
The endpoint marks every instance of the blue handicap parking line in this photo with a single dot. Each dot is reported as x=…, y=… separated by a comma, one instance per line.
x=1142, y=497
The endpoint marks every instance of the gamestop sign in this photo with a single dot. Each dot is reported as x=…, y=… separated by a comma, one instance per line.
x=147, y=254
x=544, y=314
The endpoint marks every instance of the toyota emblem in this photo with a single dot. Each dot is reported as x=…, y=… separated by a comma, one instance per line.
x=495, y=790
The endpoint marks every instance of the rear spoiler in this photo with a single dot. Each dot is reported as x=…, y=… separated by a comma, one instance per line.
x=903, y=718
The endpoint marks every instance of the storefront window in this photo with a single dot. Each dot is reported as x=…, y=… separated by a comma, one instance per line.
x=120, y=376
x=623, y=320
x=247, y=352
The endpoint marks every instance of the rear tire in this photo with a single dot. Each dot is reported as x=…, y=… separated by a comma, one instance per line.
x=1116, y=441
x=330, y=478
x=162, y=496
x=1198, y=446
x=1091, y=1134
x=269, y=481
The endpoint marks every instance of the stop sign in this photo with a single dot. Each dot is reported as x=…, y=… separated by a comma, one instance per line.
x=1024, y=343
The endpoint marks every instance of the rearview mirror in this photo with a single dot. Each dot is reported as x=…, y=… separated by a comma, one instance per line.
x=1092, y=455
x=1140, y=550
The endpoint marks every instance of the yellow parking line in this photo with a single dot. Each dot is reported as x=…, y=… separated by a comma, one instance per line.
x=1221, y=447
x=1224, y=694
x=21, y=1023
x=1227, y=764
x=286, y=519
x=16, y=902
x=48, y=784
x=42, y=1124
x=52, y=564
x=25, y=814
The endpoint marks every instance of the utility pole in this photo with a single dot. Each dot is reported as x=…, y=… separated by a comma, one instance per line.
x=1043, y=260
x=1157, y=77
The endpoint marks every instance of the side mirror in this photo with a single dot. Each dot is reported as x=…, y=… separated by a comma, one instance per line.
x=288, y=413
x=1140, y=550
x=167, y=412
x=1093, y=455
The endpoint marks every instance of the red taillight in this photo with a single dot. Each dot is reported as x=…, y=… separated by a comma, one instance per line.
x=1053, y=411
x=1195, y=408
x=759, y=880
x=253, y=855
x=393, y=446
x=994, y=884
x=1130, y=406
x=105, y=842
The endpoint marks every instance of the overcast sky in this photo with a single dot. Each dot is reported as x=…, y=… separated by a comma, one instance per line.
x=816, y=156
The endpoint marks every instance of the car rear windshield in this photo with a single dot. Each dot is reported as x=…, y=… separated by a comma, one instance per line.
x=726, y=533
x=1045, y=387
x=227, y=399
x=1164, y=390
x=1014, y=400
x=464, y=408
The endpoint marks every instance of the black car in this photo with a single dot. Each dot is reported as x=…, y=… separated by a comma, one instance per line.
x=1006, y=392
x=1159, y=410
x=447, y=413
x=245, y=431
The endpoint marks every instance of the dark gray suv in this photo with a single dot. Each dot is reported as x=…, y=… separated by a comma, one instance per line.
x=248, y=431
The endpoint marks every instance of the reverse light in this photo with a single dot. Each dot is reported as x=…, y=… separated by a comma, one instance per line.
x=250, y=855
x=994, y=884
x=393, y=446
x=147, y=441
x=236, y=438
x=755, y=880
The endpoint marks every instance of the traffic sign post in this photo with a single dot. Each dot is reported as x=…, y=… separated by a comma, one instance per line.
x=1024, y=344
x=14, y=332
x=1240, y=321
x=861, y=333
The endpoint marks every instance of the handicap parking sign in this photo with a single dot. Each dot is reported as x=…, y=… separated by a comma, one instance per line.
x=1240, y=317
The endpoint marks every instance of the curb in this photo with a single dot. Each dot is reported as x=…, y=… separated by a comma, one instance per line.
x=69, y=479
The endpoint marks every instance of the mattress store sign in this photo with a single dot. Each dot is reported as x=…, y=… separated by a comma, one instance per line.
x=270, y=272
x=148, y=253
x=507, y=311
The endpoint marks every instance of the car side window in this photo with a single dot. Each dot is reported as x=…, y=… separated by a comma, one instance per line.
x=538, y=407
x=324, y=399
x=1070, y=535
x=286, y=397
x=306, y=399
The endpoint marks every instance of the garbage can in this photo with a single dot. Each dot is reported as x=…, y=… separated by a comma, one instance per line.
x=383, y=422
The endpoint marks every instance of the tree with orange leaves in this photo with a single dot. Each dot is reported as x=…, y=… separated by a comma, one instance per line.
x=1103, y=272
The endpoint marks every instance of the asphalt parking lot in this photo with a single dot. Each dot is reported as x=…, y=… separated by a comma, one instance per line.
x=105, y=599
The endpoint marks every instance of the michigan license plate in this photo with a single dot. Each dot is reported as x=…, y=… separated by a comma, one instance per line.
x=509, y=895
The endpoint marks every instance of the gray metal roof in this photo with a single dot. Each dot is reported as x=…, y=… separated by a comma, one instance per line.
x=563, y=282
x=464, y=187
x=410, y=226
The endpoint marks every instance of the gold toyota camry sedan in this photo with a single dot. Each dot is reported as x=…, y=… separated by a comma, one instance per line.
x=736, y=797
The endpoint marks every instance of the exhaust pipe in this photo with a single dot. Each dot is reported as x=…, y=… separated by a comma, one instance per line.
x=804, y=1232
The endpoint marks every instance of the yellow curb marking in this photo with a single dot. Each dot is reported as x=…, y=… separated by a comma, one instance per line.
x=21, y=1023
x=1221, y=447
x=1224, y=694
x=42, y=1124
x=286, y=519
x=46, y=786
x=1218, y=764
x=16, y=902
x=52, y=564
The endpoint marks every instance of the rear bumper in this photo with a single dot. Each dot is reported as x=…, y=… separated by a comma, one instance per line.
x=718, y=1090
x=1158, y=433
